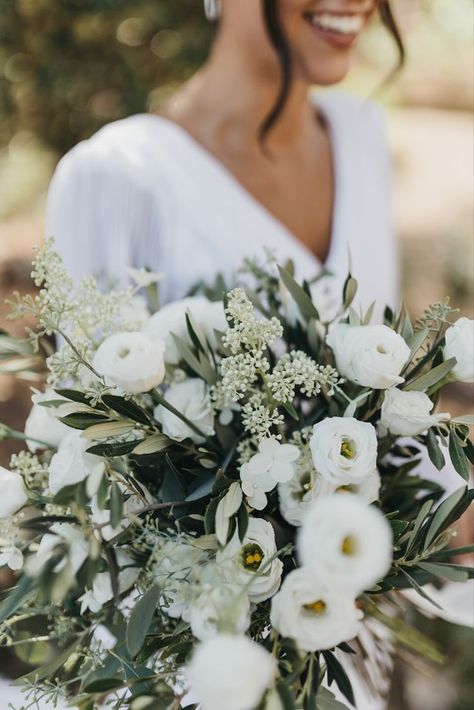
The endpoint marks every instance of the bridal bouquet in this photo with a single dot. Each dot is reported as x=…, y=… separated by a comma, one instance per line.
x=221, y=504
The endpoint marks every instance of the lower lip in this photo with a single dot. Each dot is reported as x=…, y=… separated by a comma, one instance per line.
x=335, y=39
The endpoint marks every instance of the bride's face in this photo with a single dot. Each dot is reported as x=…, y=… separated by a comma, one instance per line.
x=321, y=34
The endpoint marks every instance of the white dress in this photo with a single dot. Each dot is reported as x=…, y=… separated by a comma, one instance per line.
x=143, y=192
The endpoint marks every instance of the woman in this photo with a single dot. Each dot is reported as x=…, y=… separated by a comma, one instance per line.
x=241, y=158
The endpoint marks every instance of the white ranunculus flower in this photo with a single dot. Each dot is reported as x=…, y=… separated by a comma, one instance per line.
x=192, y=399
x=71, y=464
x=273, y=464
x=43, y=424
x=346, y=543
x=230, y=672
x=206, y=315
x=251, y=556
x=217, y=607
x=297, y=496
x=369, y=355
x=131, y=361
x=408, y=413
x=316, y=616
x=13, y=495
x=460, y=344
x=344, y=449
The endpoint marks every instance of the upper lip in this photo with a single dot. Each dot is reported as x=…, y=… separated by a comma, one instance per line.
x=341, y=9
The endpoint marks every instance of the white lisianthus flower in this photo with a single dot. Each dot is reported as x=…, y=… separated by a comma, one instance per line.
x=460, y=344
x=344, y=449
x=297, y=496
x=219, y=607
x=42, y=423
x=192, y=399
x=273, y=464
x=206, y=315
x=13, y=495
x=316, y=616
x=346, y=543
x=12, y=557
x=408, y=413
x=230, y=671
x=251, y=558
x=71, y=464
x=369, y=355
x=131, y=361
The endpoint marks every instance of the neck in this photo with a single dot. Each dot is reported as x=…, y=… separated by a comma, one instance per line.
x=244, y=96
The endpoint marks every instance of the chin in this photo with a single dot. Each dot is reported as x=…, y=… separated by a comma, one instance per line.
x=327, y=75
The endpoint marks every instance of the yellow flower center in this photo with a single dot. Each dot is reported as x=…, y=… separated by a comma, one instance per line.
x=252, y=556
x=316, y=608
x=348, y=488
x=349, y=546
x=348, y=449
x=381, y=350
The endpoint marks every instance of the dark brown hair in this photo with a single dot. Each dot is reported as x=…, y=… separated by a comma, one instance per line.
x=278, y=40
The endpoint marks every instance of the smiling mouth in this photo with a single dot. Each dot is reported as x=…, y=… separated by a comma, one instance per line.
x=343, y=25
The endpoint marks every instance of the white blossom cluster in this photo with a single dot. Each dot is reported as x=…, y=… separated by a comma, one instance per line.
x=259, y=419
x=297, y=369
x=247, y=331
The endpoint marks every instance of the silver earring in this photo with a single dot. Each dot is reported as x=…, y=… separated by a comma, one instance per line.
x=212, y=9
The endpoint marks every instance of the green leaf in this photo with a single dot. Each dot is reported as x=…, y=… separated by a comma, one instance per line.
x=434, y=450
x=446, y=571
x=413, y=583
x=15, y=598
x=110, y=451
x=326, y=701
x=337, y=673
x=73, y=395
x=458, y=456
x=432, y=377
x=420, y=519
x=108, y=430
x=83, y=420
x=152, y=445
x=467, y=419
x=416, y=341
x=203, y=490
x=349, y=291
x=116, y=505
x=126, y=408
x=141, y=618
x=443, y=513
x=200, y=364
x=303, y=301
x=285, y=696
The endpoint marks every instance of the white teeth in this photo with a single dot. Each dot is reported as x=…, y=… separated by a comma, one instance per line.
x=344, y=24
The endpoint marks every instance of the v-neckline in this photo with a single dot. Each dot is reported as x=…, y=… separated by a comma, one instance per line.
x=235, y=184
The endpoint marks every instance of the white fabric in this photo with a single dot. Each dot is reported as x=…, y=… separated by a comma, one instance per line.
x=143, y=192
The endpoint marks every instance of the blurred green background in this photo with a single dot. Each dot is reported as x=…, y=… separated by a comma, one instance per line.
x=69, y=66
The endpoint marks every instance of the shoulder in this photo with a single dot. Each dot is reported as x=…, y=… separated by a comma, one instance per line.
x=119, y=151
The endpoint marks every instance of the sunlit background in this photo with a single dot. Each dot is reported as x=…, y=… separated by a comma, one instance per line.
x=69, y=66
